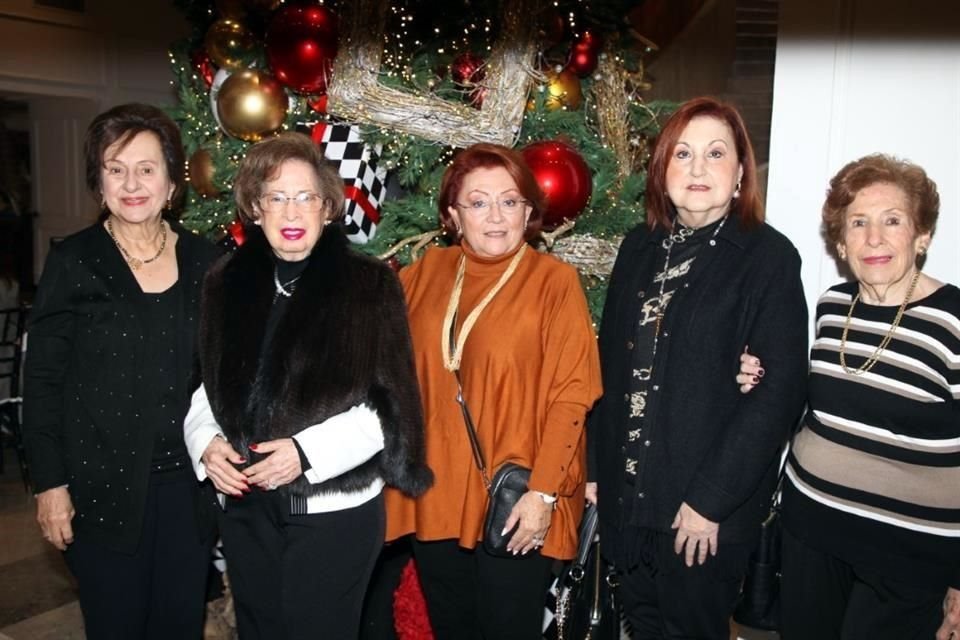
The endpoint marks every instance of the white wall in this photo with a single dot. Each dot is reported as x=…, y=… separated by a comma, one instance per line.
x=855, y=77
x=68, y=67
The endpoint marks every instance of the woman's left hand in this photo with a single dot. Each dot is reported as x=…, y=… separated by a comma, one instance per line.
x=533, y=514
x=951, y=616
x=281, y=465
x=697, y=533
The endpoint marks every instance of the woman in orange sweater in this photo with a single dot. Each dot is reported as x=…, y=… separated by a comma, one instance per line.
x=515, y=324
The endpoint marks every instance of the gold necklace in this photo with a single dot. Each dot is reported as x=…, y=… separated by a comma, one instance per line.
x=872, y=360
x=451, y=361
x=136, y=263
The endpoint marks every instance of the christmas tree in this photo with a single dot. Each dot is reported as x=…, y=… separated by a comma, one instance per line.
x=392, y=88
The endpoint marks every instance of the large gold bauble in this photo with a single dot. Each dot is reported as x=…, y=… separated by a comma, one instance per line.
x=227, y=43
x=563, y=91
x=251, y=105
x=201, y=170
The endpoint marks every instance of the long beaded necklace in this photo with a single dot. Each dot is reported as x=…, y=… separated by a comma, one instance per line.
x=678, y=236
x=875, y=356
x=136, y=263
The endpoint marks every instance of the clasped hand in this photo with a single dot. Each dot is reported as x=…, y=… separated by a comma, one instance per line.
x=280, y=466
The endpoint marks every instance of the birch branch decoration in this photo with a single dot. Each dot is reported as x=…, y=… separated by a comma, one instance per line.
x=356, y=94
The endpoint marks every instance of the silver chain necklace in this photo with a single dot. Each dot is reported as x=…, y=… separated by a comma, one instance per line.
x=282, y=288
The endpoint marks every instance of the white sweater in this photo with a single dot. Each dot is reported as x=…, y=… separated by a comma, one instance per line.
x=332, y=447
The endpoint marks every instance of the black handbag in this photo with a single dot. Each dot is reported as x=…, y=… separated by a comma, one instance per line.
x=758, y=606
x=587, y=607
x=506, y=488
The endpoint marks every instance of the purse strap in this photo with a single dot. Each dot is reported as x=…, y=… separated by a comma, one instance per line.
x=478, y=458
x=588, y=531
x=778, y=492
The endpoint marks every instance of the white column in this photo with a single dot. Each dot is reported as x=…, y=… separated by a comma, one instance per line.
x=855, y=77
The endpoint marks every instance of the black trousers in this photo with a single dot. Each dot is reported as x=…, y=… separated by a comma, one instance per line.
x=377, y=622
x=157, y=592
x=299, y=576
x=664, y=598
x=825, y=598
x=471, y=594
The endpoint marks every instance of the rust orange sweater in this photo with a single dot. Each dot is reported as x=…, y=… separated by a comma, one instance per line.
x=530, y=372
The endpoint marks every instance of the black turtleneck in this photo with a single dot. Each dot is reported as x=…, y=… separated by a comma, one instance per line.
x=287, y=272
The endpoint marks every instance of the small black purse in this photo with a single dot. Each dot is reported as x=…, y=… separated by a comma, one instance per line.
x=759, y=604
x=587, y=605
x=506, y=488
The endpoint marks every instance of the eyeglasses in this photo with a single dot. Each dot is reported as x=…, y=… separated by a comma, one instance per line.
x=507, y=205
x=305, y=201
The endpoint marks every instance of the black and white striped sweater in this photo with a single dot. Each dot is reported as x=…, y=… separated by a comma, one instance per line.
x=874, y=474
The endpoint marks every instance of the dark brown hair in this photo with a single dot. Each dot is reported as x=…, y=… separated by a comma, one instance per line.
x=878, y=168
x=748, y=208
x=262, y=163
x=122, y=124
x=488, y=156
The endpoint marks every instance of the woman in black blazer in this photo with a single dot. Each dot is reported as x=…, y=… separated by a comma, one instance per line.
x=685, y=465
x=107, y=385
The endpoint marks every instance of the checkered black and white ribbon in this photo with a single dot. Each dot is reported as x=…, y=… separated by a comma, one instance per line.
x=364, y=182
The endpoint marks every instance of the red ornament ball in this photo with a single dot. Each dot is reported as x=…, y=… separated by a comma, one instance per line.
x=236, y=231
x=564, y=177
x=585, y=53
x=301, y=44
x=467, y=70
x=203, y=66
x=318, y=103
x=583, y=60
x=590, y=40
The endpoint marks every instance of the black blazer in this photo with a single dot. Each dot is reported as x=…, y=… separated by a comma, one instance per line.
x=85, y=347
x=710, y=446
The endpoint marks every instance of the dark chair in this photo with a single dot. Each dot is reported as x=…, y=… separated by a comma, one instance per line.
x=12, y=322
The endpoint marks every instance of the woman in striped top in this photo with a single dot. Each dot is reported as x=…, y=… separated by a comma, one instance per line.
x=871, y=501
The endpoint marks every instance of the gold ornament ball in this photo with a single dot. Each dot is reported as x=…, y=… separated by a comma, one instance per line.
x=563, y=91
x=251, y=104
x=227, y=42
x=201, y=170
